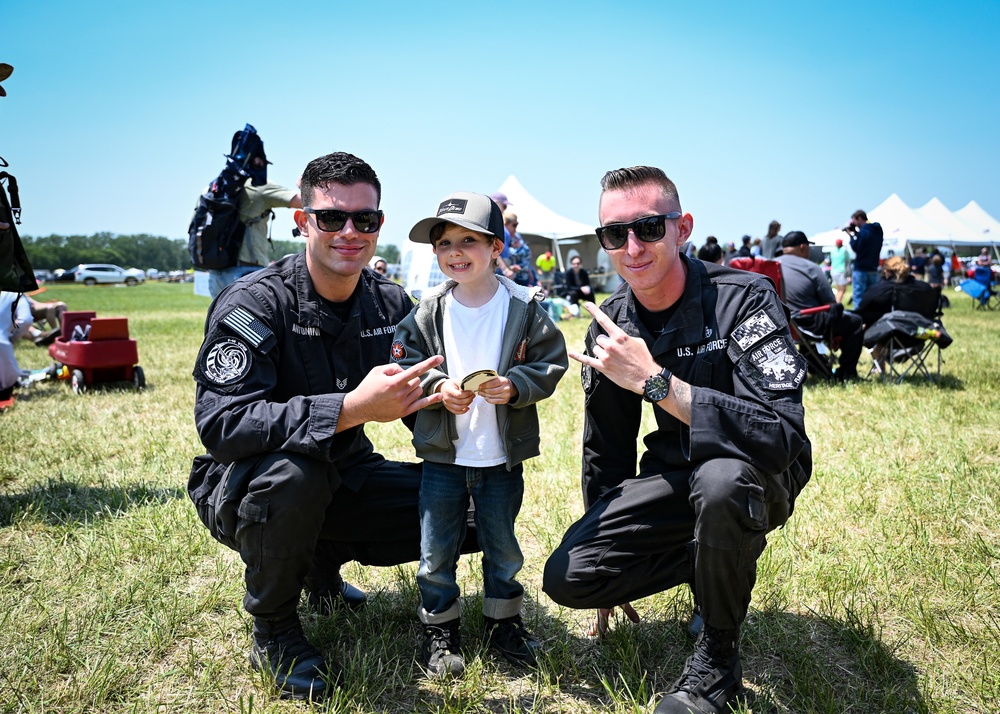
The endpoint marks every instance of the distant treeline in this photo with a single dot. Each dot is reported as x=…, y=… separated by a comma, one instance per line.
x=128, y=251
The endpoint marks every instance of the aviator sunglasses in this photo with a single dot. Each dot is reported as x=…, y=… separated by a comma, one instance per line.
x=649, y=230
x=331, y=220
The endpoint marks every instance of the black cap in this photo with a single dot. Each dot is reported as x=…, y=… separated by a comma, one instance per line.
x=794, y=238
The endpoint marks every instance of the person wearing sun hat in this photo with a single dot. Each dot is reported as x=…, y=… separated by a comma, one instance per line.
x=502, y=354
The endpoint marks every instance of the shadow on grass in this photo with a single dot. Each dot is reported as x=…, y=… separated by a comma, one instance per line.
x=791, y=663
x=64, y=503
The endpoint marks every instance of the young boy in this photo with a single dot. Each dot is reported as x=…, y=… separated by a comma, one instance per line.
x=475, y=440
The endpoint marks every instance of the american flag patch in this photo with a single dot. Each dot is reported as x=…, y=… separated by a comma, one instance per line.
x=247, y=326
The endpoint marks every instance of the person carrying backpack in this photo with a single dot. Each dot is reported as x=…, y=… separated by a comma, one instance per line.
x=254, y=201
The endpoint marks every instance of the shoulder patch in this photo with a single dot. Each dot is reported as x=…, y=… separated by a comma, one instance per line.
x=776, y=365
x=397, y=351
x=754, y=329
x=246, y=326
x=226, y=361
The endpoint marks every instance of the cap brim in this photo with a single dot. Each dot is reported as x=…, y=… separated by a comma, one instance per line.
x=421, y=231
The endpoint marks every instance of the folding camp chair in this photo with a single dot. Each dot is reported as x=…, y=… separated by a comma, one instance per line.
x=819, y=350
x=982, y=288
x=903, y=340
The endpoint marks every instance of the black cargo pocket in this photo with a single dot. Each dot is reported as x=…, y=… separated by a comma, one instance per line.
x=226, y=498
x=249, y=529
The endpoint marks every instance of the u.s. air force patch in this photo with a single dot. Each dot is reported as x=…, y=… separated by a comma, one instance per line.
x=227, y=360
x=775, y=365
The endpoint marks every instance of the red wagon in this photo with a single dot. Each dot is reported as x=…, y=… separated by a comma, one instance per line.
x=105, y=354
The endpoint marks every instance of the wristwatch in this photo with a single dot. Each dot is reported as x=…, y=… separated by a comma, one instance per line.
x=657, y=387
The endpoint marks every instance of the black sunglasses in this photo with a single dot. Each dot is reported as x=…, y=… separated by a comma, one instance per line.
x=649, y=230
x=332, y=220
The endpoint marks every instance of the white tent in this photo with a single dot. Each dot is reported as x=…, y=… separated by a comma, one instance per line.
x=980, y=221
x=958, y=231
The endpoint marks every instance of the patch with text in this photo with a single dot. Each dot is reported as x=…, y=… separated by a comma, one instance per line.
x=227, y=360
x=775, y=364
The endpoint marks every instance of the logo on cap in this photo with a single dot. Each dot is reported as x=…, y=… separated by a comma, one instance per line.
x=452, y=205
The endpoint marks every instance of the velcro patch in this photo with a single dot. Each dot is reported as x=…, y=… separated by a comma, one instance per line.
x=752, y=330
x=252, y=330
x=227, y=360
x=776, y=365
x=397, y=351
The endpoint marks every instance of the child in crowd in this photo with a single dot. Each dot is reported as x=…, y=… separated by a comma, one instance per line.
x=475, y=440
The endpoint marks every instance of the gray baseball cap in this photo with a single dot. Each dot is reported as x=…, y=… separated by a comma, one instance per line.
x=470, y=210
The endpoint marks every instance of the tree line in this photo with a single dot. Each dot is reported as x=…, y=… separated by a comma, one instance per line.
x=141, y=251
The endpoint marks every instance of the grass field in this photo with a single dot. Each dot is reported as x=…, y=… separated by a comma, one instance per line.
x=881, y=594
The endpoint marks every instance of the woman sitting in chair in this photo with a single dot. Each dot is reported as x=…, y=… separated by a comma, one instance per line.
x=878, y=299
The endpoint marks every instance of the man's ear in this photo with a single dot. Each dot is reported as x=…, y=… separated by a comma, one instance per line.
x=685, y=226
x=301, y=222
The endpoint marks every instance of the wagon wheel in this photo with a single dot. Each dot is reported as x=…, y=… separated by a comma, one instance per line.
x=78, y=382
x=138, y=378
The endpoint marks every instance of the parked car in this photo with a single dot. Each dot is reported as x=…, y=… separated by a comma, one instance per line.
x=66, y=275
x=43, y=276
x=94, y=273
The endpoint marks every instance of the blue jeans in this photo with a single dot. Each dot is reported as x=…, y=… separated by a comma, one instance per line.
x=219, y=279
x=861, y=281
x=444, y=496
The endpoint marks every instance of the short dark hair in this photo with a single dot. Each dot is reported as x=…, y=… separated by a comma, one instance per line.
x=338, y=167
x=636, y=176
x=710, y=253
x=860, y=214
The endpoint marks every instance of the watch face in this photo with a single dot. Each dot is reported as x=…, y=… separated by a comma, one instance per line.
x=657, y=388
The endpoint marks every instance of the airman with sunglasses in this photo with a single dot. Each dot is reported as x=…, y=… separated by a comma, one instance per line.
x=294, y=363
x=710, y=349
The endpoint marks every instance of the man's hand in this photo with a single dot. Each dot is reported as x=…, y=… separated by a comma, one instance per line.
x=624, y=360
x=498, y=390
x=455, y=399
x=599, y=627
x=387, y=393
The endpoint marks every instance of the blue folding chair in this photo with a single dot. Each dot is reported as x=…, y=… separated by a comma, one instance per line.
x=981, y=288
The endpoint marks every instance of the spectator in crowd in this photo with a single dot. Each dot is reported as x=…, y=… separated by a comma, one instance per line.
x=379, y=265
x=577, y=282
x=546, y=264
x=918, y=264
x=935, y=270
x=519, y=254
x=878, y=299
x=805, y=286
x=984, y=257
x=840, y=259
x=710, y=253
x=730, y=252
x=254, y=204
x=770, y=245
x=745, y=251
x=15, y=321
x=866, y=242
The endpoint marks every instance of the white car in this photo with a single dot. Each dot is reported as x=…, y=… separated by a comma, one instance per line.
x=94, y=273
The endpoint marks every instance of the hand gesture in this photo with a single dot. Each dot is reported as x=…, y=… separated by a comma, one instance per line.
x=498, y=390
x=624, y=360
x=599, y=627
x=387, y=393
x=455, y=399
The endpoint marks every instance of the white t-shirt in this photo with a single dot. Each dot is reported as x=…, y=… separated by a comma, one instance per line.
x=472, y=340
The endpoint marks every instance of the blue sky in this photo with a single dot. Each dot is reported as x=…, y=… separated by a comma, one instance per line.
x=119, y=113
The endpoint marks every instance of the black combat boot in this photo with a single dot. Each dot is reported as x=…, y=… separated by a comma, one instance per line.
x=442, y=650
x=510, y=639
x=281, y=649
x=336, y=594
x=712, y=677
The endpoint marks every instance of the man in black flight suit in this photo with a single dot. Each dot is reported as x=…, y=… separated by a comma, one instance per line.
x=710, y=348
x=294, y=363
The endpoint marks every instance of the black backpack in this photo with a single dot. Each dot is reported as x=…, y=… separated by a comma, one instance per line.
x=216, y=232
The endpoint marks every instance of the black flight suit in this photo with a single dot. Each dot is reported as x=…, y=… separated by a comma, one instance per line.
x=706, y=494
x=280, y=485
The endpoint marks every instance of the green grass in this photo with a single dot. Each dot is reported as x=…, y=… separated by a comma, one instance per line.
x=881, y=594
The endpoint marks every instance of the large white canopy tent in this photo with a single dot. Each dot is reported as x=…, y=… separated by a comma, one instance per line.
x=964, y=232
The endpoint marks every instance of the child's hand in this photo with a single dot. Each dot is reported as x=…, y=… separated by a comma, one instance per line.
x=456, y=400
x=498, y=390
